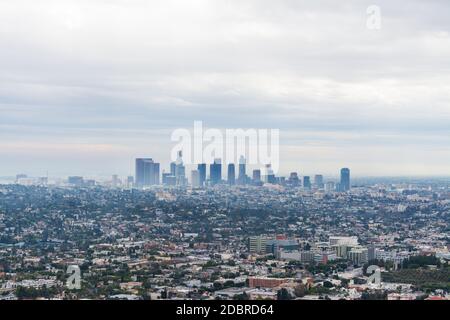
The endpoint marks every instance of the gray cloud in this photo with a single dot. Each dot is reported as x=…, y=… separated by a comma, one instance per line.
x=85, y=83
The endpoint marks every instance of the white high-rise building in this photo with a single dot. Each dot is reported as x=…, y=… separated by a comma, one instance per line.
x=349, y=241
x=257, y=244
x=195, y=179
x=358, y=255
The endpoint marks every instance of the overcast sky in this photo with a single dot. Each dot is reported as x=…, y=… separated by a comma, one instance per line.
x=87, y=85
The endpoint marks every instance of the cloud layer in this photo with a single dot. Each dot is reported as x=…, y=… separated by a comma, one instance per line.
x=86, y=86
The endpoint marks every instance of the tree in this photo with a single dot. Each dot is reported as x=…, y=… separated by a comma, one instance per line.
x=300, y=290
x=243, y=296
x=283, y=294
x=377, y=295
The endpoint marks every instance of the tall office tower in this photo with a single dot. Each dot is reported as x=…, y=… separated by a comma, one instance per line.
x=294, y=180
x=90, y=183
x=20, y=176
x=231, y=174
x=345, y=180
x=180, y=170
x=271, y=179
x=257, y=244
x=42, y=181
x=155, y=173
x=195, y=179
x=318, y=181
x=358, y=255
x=130, y=181
x=76, y=181
x=242, y=175
x=215, y=172
x=270, y=175
x=173, y=168
x=180, y=174
x=169, y=180
x=202, y=171
x=256, y=176
x=330, y=186
x=371, y=254
x=147, y=172
x=142, y=171
x=165, y=175
x=306, y=182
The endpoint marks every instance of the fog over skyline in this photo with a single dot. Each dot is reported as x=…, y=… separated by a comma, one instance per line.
x=86, y=86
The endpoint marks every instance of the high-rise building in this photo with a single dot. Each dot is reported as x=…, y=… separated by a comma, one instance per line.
x=345, y=180
x=371, y=253
x=169, y=180
x=318, y=181
x=89, y=183
x=173, y=167
x=156, y=173
x=42, y=181
x=130, y=181
x=115, y=181
x=165, y=176
x=231, y=174
x=358, y=255
x=180, y=174
x=330, y=186
x=306, y=182
x=257, y=244
x=242, y=174
x=256, y=176
x=294, y=180
x=202, y=171
x=20, y=176
x=76, y=181
x=338, y=240
x=180, y=170
x=147, y=172
x=215, y=172
x=271, y=179
x=195, y=178
x=270, y=175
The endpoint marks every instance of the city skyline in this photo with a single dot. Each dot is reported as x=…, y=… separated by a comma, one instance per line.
x=165, y=168
x=147, y=174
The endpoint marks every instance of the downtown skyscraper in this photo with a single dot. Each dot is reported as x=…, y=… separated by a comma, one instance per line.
x=147, y=172
x=345, y=180
x=201, y=167
x=231, y=174
x=242, y=174
x=215, y=172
